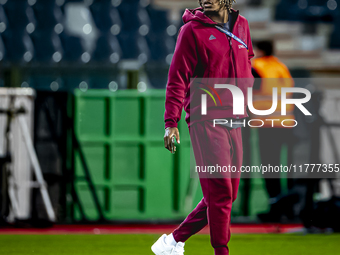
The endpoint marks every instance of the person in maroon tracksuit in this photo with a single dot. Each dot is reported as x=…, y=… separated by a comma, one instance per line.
x=203, y=50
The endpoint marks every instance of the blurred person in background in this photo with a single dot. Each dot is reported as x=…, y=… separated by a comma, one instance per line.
x=214, y=43
x=270, y=72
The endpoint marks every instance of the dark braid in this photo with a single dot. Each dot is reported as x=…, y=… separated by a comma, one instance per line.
x=226, y=3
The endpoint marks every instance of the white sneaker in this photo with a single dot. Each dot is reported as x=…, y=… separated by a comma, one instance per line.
x=179, y=249
x=162, y=248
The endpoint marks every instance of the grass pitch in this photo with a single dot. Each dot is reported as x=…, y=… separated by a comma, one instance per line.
x=269, y=244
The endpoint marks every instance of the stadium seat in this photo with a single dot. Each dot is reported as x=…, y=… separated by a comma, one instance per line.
x=73, y=48
x=3, y=19
x=2, y=50
x=107, y=49
x=19, y=46
x=159, y=19
x=134, y=46
x=19, y=14
x=105, y=16
x=161, y=46
x=47, y=14
x=63, y=3
x=79, y=23
x=134, y=18
x=48, y=46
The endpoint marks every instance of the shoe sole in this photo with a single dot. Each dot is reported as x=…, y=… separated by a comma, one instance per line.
x=155, y=250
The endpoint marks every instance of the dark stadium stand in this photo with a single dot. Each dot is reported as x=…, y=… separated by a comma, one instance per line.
x=161, y=46
x=105, y=15
x=19, y=46
x=37, y=32
x=43, y=82
x=306, y=10
x=19, y=14
x=318, y=11
x=3, y=18
x=73, y=48
x=134, y=18
x=158, y=75
x=47, y=14
x=159, y=19
x=2, y=50
x=107, y=49
x=134, y=46
x=47, y=46
x=101, y=79
x=288, y=10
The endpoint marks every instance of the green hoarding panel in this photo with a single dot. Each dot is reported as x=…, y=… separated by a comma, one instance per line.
x=125, y=200
x=159, y=181
x=258, y=199
x=121, y=136
x=87, y=201
x=96, y=158
x=126, y=117
x=126, y=166
x=92, y=117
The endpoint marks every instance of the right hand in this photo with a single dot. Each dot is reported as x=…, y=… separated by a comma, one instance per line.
x=169, y=134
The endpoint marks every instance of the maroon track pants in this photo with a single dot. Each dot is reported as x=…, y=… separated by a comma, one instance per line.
x=222, y=146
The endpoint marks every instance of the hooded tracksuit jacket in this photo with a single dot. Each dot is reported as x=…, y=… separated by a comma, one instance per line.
x=202, y=51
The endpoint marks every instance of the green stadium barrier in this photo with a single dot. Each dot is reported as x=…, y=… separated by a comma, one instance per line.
x=135, y=178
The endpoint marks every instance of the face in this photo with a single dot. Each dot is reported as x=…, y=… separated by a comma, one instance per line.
x=211, y=5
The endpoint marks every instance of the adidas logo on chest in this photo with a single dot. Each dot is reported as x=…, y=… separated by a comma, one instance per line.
x=212, y=37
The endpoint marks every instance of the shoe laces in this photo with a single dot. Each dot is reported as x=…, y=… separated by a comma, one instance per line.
x=179, y=249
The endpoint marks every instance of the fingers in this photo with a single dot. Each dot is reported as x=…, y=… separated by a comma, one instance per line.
x=168, y=139
x=177, y=137
x=167, y=142
x=172, y=146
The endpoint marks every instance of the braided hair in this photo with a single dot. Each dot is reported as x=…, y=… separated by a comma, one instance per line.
x=226, y=3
